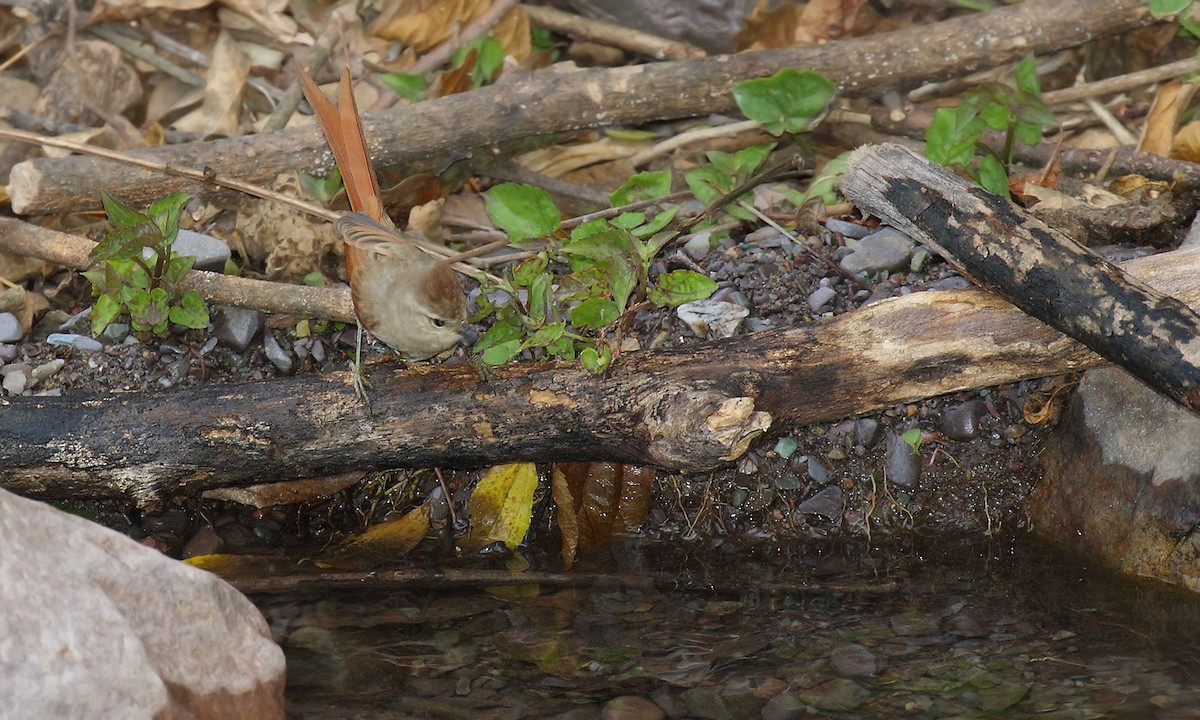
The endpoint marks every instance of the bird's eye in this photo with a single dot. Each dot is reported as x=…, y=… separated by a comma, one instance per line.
x=438, y=322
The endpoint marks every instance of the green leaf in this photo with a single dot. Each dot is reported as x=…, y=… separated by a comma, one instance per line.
x=1163, y=8
x=993, y=177
x=912, y=438
x=525, y=273
x=106, y=309
x=680, y=286
x=642, y=186
x=788, y=101
x=165, y=212
x=622, y=278
x=322, y=188
x=501, y=353
x=545, y=335
x=502, y=331
x=98, y=279
x=1026, y=76
x=951, y=137
x=594, y=313
x=596, y=362
x=659, y=222
x=126, y=242
x=539, y=297
x=120, y=215
x=178, y=267
x=148, y=310
x=997, y=116
x=409, y=87
x=564, y=348
x=708, y=183
x=628, y=220
x=191, y=312
x=522, y=211
x=748, y=160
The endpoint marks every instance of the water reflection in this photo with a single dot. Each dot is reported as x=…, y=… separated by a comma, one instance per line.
x=1002, y=628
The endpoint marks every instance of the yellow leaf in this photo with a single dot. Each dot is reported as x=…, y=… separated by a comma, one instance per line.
x=501, y=506
x=393, y=538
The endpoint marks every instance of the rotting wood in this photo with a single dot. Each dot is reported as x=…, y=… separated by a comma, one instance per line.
x=555, y=101
x=1053, y=278
x=651, y=408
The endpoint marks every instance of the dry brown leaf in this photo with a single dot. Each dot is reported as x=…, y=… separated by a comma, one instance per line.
x=1186, y=145
x=568, y=524
x=791, y=24
x=15, y=268
x=559, y=160
x=513, y=34
x=266, y=15
x=609, y=498
x=291, y=244
x=286, y=493
x=1159, y=132
x=425, y=24
x=107, y=11
x=221, y=111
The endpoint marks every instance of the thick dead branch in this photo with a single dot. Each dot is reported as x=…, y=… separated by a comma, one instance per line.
x=549, y=102
x=686, y=408
x=1056, y=280
x=21, y=238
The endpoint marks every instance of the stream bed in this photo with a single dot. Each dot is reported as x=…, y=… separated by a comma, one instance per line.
x=933, y=628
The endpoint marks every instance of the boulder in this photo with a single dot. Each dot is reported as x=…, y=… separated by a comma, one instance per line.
x=1122, y=480
x=95, y=625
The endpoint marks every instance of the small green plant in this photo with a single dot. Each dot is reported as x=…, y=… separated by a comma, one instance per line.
x=954, y=134
x=144, y=287
x=912, y=438
x=608, y=265
x=606, y=262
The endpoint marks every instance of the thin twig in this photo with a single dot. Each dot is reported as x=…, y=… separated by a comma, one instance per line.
x=611, y=34
x=316, y=58
x=688, y=137
x=1121, y=83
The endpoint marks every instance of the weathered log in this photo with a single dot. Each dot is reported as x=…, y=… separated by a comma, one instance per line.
x=550, y=102
x=1053, y=278
x=658, y=407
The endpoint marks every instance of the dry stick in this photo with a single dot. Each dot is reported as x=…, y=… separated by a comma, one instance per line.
x=319, y=55
x=441, y=54
x=1121, y=83
x=611, y=34
x=71, y=251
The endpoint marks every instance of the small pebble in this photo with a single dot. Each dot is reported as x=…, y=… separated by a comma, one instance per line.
x=10, y=328
x=847, y=229
x=279, y=357
x=8, y=353
x=237, y=327
x=903, y=465
x=45, y=370
x=204, y=542
x=961, y=421
x=828, y=503
x=820, y=298
x=698, y=246
x=79, y=342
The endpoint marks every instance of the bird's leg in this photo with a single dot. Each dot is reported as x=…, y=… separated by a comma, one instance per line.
x=360, y=382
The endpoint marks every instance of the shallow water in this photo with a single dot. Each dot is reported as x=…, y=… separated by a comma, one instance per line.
x=940, y=628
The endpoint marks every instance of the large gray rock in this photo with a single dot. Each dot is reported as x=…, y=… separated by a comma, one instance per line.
x=94, y=625
x=1123, y=480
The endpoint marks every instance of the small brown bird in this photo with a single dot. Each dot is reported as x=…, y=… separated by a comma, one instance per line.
x=402, y=295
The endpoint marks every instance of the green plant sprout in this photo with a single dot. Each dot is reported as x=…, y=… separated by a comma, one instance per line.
x=953, y=136
x=608, y=262
x=144, y=287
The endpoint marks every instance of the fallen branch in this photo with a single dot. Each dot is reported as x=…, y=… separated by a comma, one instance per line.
x=22, y=238
x=682, y=409
x=1056, y=280
x=432, y=132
